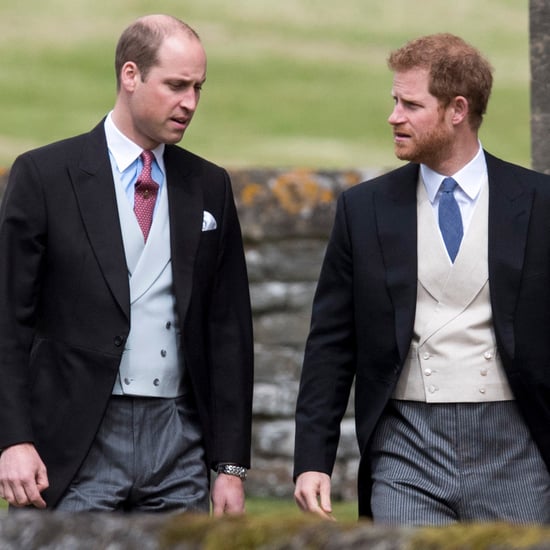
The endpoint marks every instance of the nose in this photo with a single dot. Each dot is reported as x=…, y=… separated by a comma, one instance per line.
x=396, y=116
x=190, y=99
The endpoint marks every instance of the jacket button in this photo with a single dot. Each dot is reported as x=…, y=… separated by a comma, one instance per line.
x=118, y=341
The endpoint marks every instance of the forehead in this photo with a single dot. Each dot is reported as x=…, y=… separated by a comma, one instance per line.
x=412, y=82
x=181, y=52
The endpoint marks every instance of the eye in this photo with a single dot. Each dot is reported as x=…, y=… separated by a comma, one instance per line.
x=411, y=105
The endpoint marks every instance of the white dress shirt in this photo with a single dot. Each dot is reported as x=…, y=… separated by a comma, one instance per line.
x=470, y=179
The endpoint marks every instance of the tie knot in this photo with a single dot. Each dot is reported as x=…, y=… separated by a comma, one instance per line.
x=147, y=158
x=145, y=178
x=448, y=185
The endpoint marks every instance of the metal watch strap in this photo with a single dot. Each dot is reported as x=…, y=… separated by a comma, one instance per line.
x=232, y=470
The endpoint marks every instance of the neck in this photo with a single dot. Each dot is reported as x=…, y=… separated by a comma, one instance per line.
x=461, y=153
x=124, y=123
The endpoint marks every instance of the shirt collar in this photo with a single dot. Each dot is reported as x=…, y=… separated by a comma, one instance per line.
x=469, y=178
x=124, y=151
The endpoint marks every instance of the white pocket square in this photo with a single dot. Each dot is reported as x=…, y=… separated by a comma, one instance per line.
x=208, y=221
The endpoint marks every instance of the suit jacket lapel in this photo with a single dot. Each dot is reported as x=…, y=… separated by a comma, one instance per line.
x=509, y=212
x=185, y=204
x=395, y=204
x=94, y=188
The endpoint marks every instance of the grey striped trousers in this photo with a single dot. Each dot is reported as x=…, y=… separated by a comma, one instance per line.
x=436, y=464
x=147, y=456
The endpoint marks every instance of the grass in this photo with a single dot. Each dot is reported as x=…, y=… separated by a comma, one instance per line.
x=261, y=507
x=342, y=511
x=290, y=83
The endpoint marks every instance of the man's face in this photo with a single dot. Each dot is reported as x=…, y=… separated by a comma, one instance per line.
x=162, y=105
x=422, y=128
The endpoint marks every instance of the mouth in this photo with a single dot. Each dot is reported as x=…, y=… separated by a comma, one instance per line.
x=400, y=137
x=181, y=122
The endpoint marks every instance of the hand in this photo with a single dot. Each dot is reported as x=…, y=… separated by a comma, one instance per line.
x=22, y=476
x=228, y=495
x=312, y=494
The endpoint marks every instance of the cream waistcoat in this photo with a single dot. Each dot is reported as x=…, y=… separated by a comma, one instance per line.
x=453, y=356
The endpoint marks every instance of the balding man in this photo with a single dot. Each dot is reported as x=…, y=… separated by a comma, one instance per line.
x=125, y=324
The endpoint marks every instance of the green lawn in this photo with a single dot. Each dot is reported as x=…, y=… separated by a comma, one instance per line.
x=342, y=511
x=292, y=82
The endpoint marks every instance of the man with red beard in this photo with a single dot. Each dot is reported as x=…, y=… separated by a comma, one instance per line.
x=434, y=298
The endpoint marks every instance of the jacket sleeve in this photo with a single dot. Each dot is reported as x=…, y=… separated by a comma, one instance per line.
x=231, y=344
x=22, y=249
x=329, y=361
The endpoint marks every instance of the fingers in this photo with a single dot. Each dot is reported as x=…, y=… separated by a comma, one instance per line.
x=34, y=497
x=217, y=508
x=23, y=493
x=228, y=496
x=22, y=476
x=325, y=502
x=312, y=494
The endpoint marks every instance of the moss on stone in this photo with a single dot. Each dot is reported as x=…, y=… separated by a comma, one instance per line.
x=235, y=532
x=311, y=533
x=491, y=536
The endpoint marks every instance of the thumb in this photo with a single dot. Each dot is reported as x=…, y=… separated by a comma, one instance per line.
x=42, y=480
x=324, y=497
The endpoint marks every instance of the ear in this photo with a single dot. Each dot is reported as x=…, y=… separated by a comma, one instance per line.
x=129, y=75
x=460, y=109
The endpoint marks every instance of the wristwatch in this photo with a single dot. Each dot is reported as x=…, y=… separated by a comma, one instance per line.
x=232, y=470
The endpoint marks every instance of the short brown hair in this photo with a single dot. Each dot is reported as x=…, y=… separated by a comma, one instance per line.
x=455, y=68
x=141, y=41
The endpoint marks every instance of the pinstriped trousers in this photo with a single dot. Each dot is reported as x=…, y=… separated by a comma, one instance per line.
x=147, y=457
x=436, y=464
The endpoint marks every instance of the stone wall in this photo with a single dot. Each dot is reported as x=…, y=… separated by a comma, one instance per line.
x=286, y=217
x=33, y=529
x=539, y=42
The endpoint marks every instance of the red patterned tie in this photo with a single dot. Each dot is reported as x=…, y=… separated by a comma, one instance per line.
x=145, y=195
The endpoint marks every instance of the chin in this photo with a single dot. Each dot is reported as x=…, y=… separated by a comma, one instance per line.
x=172, y=140
x=404, y=155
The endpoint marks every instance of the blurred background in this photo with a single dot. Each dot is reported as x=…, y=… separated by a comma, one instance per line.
x=290, y=83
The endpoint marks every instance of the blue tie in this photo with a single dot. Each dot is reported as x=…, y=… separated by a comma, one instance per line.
x=450, y=221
